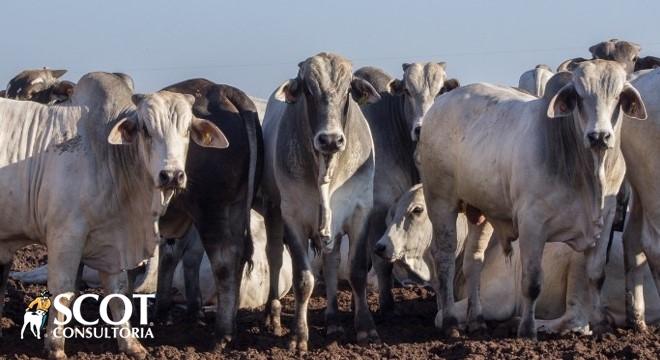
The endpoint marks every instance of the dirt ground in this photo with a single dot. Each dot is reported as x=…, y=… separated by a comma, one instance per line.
x=409, y=335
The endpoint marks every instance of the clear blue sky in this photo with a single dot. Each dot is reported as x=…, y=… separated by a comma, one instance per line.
x=256, y=45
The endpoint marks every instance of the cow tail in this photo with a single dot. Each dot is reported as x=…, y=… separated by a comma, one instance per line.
x=248, y=243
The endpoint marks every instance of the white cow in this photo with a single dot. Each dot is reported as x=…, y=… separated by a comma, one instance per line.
x=564, y=301
x=89, y=180
x=640, y=144
x=541, y=170
x=533, y=81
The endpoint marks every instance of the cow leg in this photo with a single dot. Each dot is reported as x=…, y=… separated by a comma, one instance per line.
x=168, y=257
x=634, y=260
x=274, y=251
x=4, y=274
x=443, y=251
x=129, y=345
x=531, y=255
x=303, y=284
x=330, y=275
x=473, y=262
x=596, y=257
x=357, y=234
x=192, y=260
x=223, y=234
x=64, y=254
x=382, y=267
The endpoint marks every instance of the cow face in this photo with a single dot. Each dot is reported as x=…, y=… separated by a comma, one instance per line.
x=623, y=52
x=164, y=123
x=596, y=96
x=409, y=229
x=326, y=82
x=41, y=86
x=420, y=85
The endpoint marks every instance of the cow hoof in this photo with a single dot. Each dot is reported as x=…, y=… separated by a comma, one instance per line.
x=221, y=344
x=526, y=333
x=640, y=327
x=300, y=346
x=452, y=332
x=57, y=355
x=137, y=351
x=371, y=337
x=335, y=331
x=477, y=327
x=602, y=328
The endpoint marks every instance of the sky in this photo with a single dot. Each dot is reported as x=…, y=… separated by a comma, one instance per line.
x=256, y=45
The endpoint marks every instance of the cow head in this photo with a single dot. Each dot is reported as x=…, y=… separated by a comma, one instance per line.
x=41, y=86
x=623, y=52
x=421, y=84
x=327, y=84
x=162, y=125
x=409, y=229
x=596, y=96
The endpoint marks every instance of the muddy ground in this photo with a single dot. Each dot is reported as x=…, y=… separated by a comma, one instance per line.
x=409, y=335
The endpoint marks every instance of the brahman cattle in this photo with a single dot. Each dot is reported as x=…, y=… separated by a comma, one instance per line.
x=534, y=81
x=42, y=86
x=624, y=52
x=89, y=180
x=318, y=185
x=220, y=192
x=564, y=301
x=640, y=144
x=541, y=170
x=395, y=121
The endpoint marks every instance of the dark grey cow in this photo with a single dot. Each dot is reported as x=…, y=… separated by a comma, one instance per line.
x=378, y=78
x=42, y=86
x=624, y=52
x=395, y=121
x=318, y=184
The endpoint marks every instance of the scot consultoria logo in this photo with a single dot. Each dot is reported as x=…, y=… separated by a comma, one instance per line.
x=36, y=314
x=88, y=326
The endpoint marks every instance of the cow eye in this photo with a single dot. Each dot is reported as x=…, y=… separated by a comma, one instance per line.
x=145, y=132
x=406, y=91
x=417, y=210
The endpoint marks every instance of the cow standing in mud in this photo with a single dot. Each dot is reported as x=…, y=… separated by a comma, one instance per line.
x=318, y=185
x=541, y=170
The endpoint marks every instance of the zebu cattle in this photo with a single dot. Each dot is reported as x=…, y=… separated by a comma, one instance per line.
x=220, y=192
x=395, y=121
x=564, y=301
x=624, y=52
x=378, y=78
x=42, y=86
x=533, y=81
x=640, y=144
x=318, y=185
x=90, y=180
x=647, y=63
x=187, y=256
x=541, y=170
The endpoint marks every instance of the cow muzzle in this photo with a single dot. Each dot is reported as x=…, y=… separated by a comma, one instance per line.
x=329, y=142
x=171, y=179
x=600, y=139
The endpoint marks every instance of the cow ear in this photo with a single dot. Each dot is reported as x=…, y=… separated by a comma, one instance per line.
x=443, y=64
x=57, y=73
x=449, y=85
x=563, y=103
x=206, y=134
x=363, y=92
x=63, y=89
x=405, y=66
x=396, y=87
x=137, y=98
x=631, y=103
x=3, y=94
x=291, y=90
x=124, y=132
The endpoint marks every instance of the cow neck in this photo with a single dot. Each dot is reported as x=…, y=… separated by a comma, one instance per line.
x=408, y=145
x=579, y=168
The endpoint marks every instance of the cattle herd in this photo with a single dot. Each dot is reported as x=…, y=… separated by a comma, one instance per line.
x=346, y=175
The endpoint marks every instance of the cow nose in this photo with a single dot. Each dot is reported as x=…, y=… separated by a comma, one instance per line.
x=379, y=249
x=599, y=139
x=330, y=142
x=416, y=131
x=171, y=178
